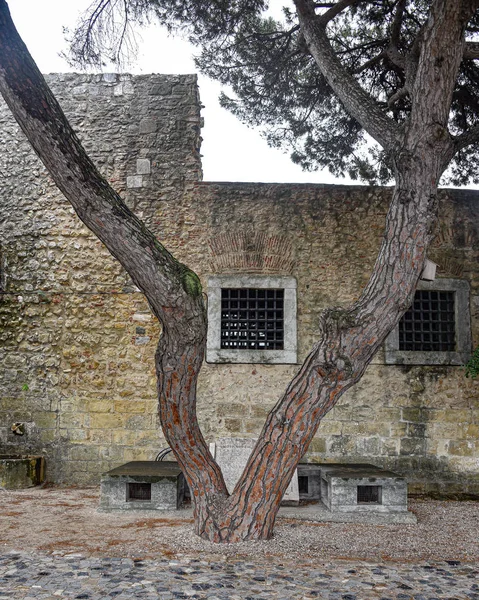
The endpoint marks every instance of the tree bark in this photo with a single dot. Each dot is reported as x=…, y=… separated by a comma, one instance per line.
x=348, y=337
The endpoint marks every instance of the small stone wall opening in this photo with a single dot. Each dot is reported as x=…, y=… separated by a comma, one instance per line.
x=309, y=484
x=369, y=494
x=303, y=484
x=138, y=492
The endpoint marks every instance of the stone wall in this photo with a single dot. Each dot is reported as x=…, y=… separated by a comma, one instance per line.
x=77, y=341
x=421, y=421
x=76, y=337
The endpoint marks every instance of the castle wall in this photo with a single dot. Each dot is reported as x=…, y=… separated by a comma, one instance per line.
x=77, y=340
x=76, y=337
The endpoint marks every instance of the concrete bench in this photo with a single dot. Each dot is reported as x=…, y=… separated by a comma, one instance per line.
x=143, y=485
x=362, y=488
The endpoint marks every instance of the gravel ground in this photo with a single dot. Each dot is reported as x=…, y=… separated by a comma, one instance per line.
x=65, y=520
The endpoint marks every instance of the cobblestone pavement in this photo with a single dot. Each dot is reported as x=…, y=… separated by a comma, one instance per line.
x=32, y=576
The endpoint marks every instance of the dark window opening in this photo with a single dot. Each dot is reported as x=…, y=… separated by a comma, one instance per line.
x=430, y=324
x=369, y=494
x=252, y=319
x=138, y=492
x=303, y=484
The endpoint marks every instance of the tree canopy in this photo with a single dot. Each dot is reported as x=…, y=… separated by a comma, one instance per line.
x=275, y=81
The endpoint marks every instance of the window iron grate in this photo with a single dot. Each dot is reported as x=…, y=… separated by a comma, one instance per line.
x=369, y=494
x=138, y=492
x=430, y=324
x=252, y=319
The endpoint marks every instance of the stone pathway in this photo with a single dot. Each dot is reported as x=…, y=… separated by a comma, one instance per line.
x=35, y=576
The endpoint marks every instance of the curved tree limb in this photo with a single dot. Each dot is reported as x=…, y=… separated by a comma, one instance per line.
x=435, y=78
x=335, y=10
x=356, y=100
x=402, y=93
x=469, y=137
x=471, y=51
x=172, y=289
x=370, y=63
x=392, y=50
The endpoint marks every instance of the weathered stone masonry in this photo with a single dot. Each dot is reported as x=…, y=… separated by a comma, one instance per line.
x=77, y=340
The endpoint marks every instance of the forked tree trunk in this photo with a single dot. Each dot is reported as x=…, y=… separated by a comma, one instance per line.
x=348, y=337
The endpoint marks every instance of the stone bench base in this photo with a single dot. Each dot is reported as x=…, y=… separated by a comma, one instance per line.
x=362, y=488
x=143, y=485
x=342, y=488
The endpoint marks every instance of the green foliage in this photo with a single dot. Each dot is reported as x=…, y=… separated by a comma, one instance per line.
x=275, y=83
x=472, y=367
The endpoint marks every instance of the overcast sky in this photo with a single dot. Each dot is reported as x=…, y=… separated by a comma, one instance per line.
x=231, y=151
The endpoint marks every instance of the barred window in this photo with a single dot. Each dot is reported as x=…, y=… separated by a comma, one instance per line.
x=436, y=330
x=252, y=319
x=430, y=324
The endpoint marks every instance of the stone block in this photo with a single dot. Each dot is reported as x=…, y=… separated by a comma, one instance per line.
x=19, y=472
x=260, y=412
x=362, y=488
x=84, y=453
x=317, y=446
x=417, y=430
x=44, y=420
x=129, y=406
x=230, y=410
x=412, y=446
x=368, y=446
x=138, y=422
x=106, y=421
x=462, y=447
x=143, y=166
x=142, y=485
x=134, y=181
x=232, y=454
x=100, y=406
x=413, y=415
x=139, y=454
x=160, y=89
x=148, y=125
x=234, y=425
x=71, y=420
x=47, y=436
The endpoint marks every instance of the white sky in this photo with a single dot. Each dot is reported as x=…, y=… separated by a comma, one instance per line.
x=231, y=151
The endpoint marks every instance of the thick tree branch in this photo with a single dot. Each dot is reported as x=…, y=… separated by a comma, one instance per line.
x=397, y=23
x=392, y=51
x=357, y=102
x=441, y=51
x=335, y=10
x=173, y=291
x=401, y=93
x=471, y=136
x=471, y=51
x=370, y=63
x=43, y=122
